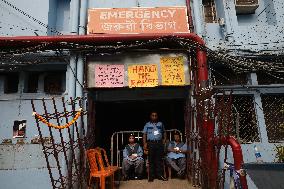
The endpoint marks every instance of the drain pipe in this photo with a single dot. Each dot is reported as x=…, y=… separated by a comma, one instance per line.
x=80, y=63
x=196, y=6
x=189, y=17
x=237, y=156
x=71, y=71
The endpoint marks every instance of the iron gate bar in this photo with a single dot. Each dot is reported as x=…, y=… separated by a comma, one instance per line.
x=53, y=145
x=81, y=102
x=81, y=149
x=43, y=146
x=61, y=137
x=82, y=152
x=73, y=157
x=73, y=103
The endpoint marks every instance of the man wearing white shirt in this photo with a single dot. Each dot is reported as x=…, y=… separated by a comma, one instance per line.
x=176, y=155
x=132, y=157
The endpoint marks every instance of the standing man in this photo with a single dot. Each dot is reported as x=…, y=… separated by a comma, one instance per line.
x=154, y=137
x=132, y=157
x=176, y=156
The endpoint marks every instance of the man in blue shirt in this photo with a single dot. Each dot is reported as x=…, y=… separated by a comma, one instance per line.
x=132, y=157
x=176, y=156
x=154, y=137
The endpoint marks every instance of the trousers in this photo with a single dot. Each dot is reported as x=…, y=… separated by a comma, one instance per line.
x=156, y=154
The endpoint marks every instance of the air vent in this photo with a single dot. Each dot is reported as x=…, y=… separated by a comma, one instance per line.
x=246, y=6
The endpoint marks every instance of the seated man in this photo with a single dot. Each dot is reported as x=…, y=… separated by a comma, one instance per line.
x=176, y=155
x=132, y=157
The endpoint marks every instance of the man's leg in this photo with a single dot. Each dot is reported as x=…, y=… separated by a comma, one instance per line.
x=151, y=159
x=139, y=164
x=172, y=164
x=126, y=165
x=182, y=166
x=159, y=159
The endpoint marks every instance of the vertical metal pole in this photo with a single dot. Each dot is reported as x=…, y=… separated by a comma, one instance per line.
x=80, y=145
x=80, y=64
x=71, y=68
x=198, y=18
x=117, y=147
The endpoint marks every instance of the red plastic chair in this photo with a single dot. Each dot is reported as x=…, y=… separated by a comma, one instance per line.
x=97, y=168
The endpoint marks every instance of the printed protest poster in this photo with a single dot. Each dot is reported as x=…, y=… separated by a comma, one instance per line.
x=109, y=75
x=143, y=75
x=172, y=70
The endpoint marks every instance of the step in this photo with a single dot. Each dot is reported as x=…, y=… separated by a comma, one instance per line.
x=157, y=184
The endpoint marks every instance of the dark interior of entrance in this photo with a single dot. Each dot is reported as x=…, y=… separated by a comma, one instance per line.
x=131, y=115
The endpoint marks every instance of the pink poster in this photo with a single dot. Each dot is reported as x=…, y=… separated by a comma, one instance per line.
x=109, y=75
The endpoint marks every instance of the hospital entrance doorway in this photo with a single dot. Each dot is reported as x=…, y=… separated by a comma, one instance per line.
x=129, y=110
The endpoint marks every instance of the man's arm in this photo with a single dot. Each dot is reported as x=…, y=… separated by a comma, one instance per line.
x=139, y=152
x=145, y=141
x=170, y=148
x=184, y=149
x=125, y=153
x=165, y=134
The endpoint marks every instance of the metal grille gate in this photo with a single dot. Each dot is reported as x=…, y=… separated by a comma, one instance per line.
x=65, y=155
x=220, y=108
x=120, y=139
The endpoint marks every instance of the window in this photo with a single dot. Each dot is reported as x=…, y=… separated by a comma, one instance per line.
x=273, y=109
x=54, y=83
x=31, y=83
x=237, y=116
x=267, y=79
x=11, y=83
x=246, y=6
x=209, y=11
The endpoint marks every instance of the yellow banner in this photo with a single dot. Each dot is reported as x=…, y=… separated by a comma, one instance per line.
x=172, y=70
x=145, y=75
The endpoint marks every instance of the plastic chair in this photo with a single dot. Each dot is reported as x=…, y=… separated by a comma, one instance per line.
x=107, y=166
x=97, y=168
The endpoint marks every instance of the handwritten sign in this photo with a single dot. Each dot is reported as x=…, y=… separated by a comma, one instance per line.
x=172, y=69
x=109, y=75
x=142, y=75
x=138, y=20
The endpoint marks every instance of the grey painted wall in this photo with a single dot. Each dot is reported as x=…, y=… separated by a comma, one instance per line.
x=260, y=32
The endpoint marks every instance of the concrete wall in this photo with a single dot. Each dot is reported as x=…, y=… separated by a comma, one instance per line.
x=260, y=32
x=24, y=166
x=14, y=23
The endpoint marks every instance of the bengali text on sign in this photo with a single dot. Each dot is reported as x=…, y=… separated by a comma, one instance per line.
x=172, y=69
x=138, y=20
x=109, y=75
x=142, y=75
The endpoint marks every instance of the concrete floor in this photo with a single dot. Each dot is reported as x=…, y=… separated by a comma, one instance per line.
x=157, y=184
